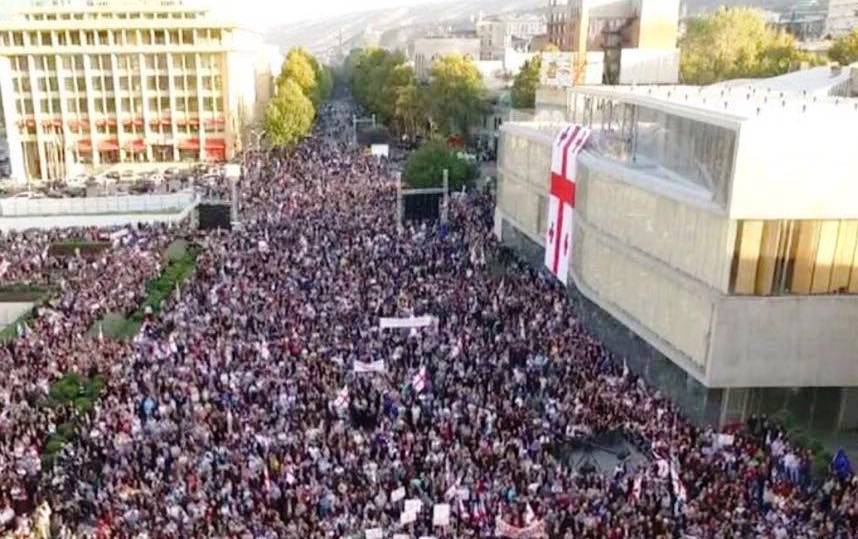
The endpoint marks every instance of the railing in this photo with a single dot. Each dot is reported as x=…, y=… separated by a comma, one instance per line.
x=12, y=207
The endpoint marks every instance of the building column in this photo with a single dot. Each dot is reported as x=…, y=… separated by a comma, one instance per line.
x=37, y=114
x=117, y=100
x=172, y=89
x=147, y=114
x=202, y=124
x=10, y=118
x=65, y=116
x=90, y=105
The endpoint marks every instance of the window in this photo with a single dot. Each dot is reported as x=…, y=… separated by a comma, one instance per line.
x=118, y=37
x=34, y=38
x=71, y=104
x=111, y=106
x=160, y=37
x=97, y=85
x=126, y=104
x=123, y=83
x=90, y=37
x=188, y=37
x=53, y=84
x=108, y=84
x=151, y=83
x=46, y=39
x=163, y=83
x=150, y=62
x=75, y=37
x=131, y=37
x=795, y=257
x=179, y=82
x=165, y=103
x=28, y=106
x=99, y=106
x=81, y=84
x=68, y=62
x=174, y=37
x=43, y=84
x=55, y=105
x=18, y=39
x=103, y=38
x=153, y=104
x=81, y=105
x=52, y=63
x=180, y=105
x=146, y=36
x=62, y=38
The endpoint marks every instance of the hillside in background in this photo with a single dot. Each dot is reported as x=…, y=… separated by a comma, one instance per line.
x=399, y=26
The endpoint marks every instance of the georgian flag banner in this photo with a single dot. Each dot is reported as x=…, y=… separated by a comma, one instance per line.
x=561, y=199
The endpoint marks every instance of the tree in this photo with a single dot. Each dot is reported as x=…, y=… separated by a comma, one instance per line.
x=425, y=168
x=735, y=43
x=412, y=109
x=845, y=49
x=525, y=84
x=458, y=96
x=289, y=115
x=299, y=69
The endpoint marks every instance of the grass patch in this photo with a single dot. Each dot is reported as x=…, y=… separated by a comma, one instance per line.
x=86, y=248
x=181, y=263
x=76, y=395
x=21, y=292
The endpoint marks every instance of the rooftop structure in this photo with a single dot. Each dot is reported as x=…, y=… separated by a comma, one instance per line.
x=96, y=83
x=720, y=226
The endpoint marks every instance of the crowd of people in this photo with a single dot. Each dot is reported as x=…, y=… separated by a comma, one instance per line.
x=246, y=409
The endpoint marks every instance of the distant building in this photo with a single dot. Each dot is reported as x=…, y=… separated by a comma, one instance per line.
x=429, y=49
x=616, y=28
x=512, y=32
x=89, y=84
x=842, y=17
x=715, y=238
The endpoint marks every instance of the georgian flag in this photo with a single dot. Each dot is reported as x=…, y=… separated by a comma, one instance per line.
x=341, y=403
x=561, y=199
x=420, y=379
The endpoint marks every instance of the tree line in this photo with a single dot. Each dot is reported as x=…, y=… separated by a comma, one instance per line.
x=449, y=103
x=302, y=85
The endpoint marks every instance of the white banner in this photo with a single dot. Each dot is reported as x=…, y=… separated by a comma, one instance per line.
x=406, y=323
x=374, y=367
x=441, y=514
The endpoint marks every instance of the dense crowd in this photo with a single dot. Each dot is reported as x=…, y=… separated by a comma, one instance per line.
x=238, y=412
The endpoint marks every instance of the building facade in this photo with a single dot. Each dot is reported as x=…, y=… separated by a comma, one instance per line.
x=514, y=32
x=637, y=38
x=715, y=246
x=87, y=85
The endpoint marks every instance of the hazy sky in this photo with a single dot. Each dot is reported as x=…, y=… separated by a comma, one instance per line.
x=264, y=14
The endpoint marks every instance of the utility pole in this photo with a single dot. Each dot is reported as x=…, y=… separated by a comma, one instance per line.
x=446, y=202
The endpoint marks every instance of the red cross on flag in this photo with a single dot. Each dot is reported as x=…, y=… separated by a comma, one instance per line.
x=561, y=199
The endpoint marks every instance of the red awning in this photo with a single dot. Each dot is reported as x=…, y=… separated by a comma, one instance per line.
x=136, y=146
x=215, y=144
x=84, y=145
x=190, y=144
x=109, y=145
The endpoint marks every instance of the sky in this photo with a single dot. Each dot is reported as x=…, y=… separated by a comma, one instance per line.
x=264, y=14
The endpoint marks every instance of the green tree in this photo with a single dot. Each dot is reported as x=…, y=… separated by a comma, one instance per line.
x=845, y=49
x=525, y=84
x=298, y=68
x=457, y=93
x=425, y=168
x=735, y=43
x=289, y=115
x=412, y=109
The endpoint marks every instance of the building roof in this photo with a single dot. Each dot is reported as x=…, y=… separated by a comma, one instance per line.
x=819, y=81
x=746, y=101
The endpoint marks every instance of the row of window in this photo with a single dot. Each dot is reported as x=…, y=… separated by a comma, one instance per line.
x=106, y=15
x=181, y=84
x=130, y=37
x=51, y=106
x=126, y=62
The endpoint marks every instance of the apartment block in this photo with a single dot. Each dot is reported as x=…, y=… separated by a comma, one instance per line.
x=88, y=85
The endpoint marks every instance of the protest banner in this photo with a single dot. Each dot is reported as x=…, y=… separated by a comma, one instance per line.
x=397, y=494
x=406, y=323
x=375, y=367
x=441, y=514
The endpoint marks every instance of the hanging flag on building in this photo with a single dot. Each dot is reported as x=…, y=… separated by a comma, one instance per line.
x=561, y=199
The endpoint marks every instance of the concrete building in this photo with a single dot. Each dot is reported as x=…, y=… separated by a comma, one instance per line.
x=512, y=32
x=637, y=37
x=842, y=17
x=429, y=49
x=715, y=240
x=90, y=84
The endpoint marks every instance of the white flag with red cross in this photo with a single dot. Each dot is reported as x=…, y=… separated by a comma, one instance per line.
x=561, y=199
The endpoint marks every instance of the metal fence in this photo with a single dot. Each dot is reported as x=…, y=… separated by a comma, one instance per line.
x=13, y=207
